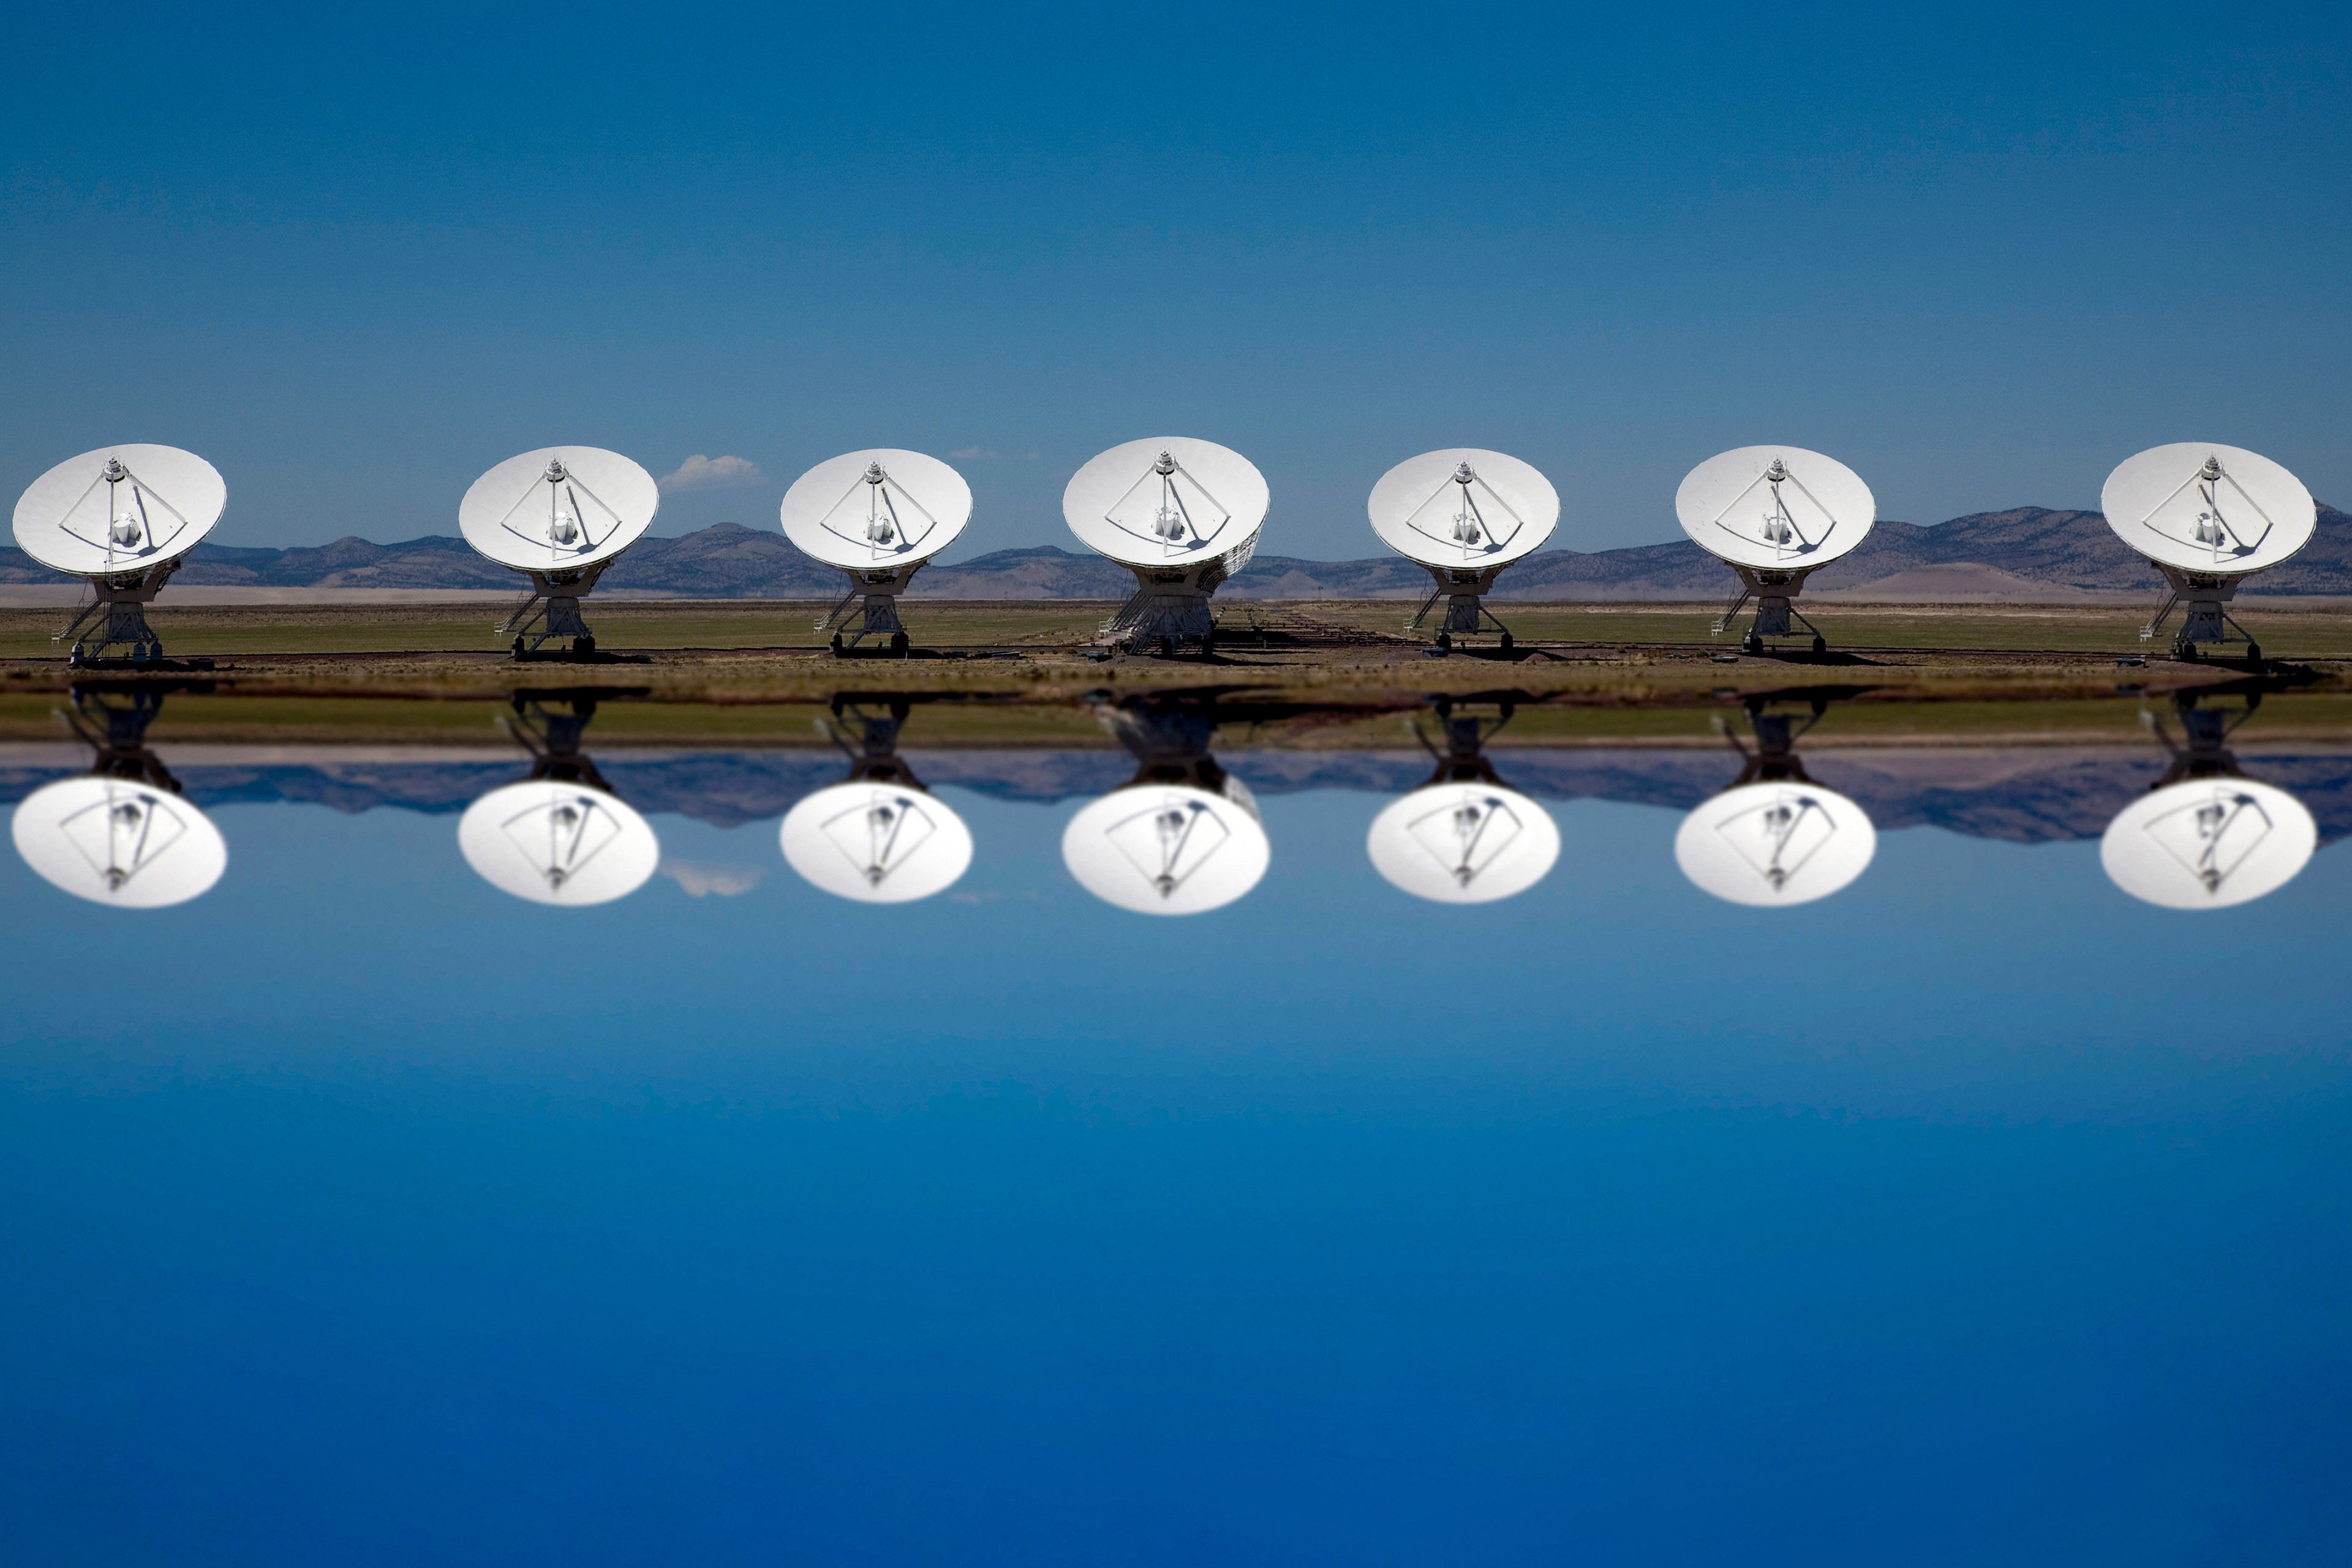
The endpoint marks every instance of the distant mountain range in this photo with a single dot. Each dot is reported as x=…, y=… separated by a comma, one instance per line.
x=2029, y=553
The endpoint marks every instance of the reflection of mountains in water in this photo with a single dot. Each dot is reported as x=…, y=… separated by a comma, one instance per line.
x=2022, y=795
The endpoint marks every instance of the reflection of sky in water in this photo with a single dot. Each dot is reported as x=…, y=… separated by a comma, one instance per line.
x=1334, y=1227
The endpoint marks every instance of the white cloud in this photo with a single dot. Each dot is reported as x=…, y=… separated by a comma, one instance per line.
x=701, y=473
x=701, y=878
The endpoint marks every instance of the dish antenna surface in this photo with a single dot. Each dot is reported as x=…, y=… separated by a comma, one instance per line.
x=1783, y=842
x=1180, y=838
x=1183, y=515
x=1463, y=514
x=121, y=835
x=1775, y=515
x=878, y=515
x=1166, y=849
x=2206, y=836
x=554, y=842
x=560, y=515
x=1775, y=836
x=879, y=836
x=2207, y=843
x=125, y=518
x=122, y=842
x=2207, y=516
x=561, y=835
x=1464, y=838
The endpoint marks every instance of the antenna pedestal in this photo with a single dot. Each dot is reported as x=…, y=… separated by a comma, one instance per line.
x=1772, y=589
x=1464, y=589
x=873, y=590
x=551, y=609
x=118, y=609
x=2203, y=620
x=1170, y=604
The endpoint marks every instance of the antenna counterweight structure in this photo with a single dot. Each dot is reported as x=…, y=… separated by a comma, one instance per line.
x=560, y=515
x=2207, y=517
x=877, y=516
x=123, y=519
x=1775, y=515
x=1462, y=514
x=1183, y=515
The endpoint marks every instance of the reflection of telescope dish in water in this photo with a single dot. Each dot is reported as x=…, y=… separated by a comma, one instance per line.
x=125, y=517
x=1775, y=515
x=1463, y=843
x=122, y=842
x=2207, y=843
x=562, y=514
x=877, y=843
x=558, y=842
x=2207, y=516
x=1167, y=849
x=1462, y=514
x=1783, y=841
x=878, y=515
x=1183, y=515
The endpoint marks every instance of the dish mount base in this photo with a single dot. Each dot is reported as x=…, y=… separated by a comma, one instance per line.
x=551, y=609
x=117, y=613
x=2203, y=620
x=1772, y=590
x=1464, y=589
x=872, y=595
x=1170, y=607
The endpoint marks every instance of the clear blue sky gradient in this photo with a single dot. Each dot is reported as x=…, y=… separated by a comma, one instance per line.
x=1982, y=254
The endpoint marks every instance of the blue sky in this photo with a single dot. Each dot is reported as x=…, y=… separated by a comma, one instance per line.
x=1981, y=254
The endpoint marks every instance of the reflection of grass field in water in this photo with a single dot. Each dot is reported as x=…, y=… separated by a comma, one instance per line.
x=218, y=630
x=625, y=723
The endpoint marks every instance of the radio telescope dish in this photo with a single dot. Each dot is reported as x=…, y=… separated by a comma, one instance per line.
x=1775, y=843
x=1167, y=849
x=2207, y=843
x=118, y=841
x=1775, y=508
x=559, y=508
x=877, y=843
x=1171, y=501
x=1464, y=507
x=2207, y=509
x=119, y=509
x=879, y=508
x=554, y=842
x=1469, y=843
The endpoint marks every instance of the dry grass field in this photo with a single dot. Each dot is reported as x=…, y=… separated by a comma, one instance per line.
x=758, y=655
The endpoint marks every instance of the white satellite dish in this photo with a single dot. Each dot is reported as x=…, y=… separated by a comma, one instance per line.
x=878, y=515
x=1183, y=514
x=1468, y=843
x=562, y=514
x=125, y=517
x=877, y=843
x=1463, y=514
x=558, y=843
x=119, y=509
x=1775, y=508
x=2208, y=508
x=1167, y=849
x=120, y=841
x=2207, y=843
x=2207, y=516
x=1775, y=515
x=1780, y=842
x=559, y=508
x=1463, y=507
